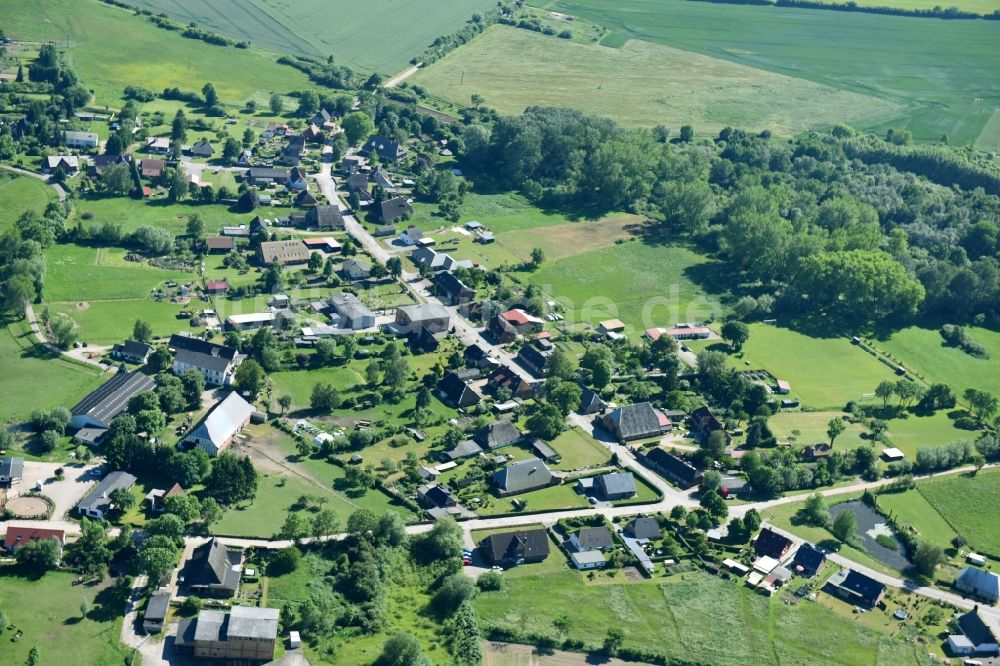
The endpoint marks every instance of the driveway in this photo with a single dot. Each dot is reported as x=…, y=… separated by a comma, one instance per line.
x=65, y=494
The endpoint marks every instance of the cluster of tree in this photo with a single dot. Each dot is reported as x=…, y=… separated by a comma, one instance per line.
x=22, y=264
x=957, y=336
x=324, y=73
x=445, y=44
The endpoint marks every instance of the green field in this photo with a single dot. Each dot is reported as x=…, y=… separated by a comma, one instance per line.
x=111, y=48
x=644, y=285
x=805, y=428
x=376, y=35
x=47, y=611
x=950, y=87
x=718, y=621
x=19, y=194
x=77, y=274
x=577, y=450
x=824, y=372
x=977, y=6
x=989, y=138
x=642, y=84
x=921, y=349
x=912, y=508
x=132, y=214
x=971, y=506
x=108, y=322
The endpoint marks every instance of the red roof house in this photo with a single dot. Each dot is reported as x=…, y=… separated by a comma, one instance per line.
x=18, y=536
x=217, y=286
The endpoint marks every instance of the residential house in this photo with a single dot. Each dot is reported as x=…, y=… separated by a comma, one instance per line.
x=132, y=351
x=202, y=149
x=212, y=571
x=152, y=169
x=815, y=452
x=671, y=467
x=534, y=357
x=457, y=392
x=312, y=134
x=451, y=290
x=258, y=176
x=325, y=217
x=305, y=199
x=979, y=584
x=357, y=183
x=475, y=356
x=394, y=209
x=241, y=635
x=611, y=328
x=109, y=400
x=11, y=470
x=80, y=139
x=680, y=333
x=297, y=179
x=644, y=528
x=157, y=496
x=98, y=502
x=772, y=544
x=101, y=163
x=704, y=423
x=522, y=477
x=351, y=164
x=220, y=244
x=383, y=179
x=69, y=163
x=855, y=588
x=431, y=317
x=158, y=144
x=615, y=486
x=355, y=269
x=216, y=287
x=22, y=535
x=591, y=402
x=732, y=486
x=388, y=150
x=429, y=260
x=411, y=236
x=352, y=312
x=498, y=435
x=630, y=422
x=522, y=322
x=501, y=330
x=592, y=538
x=808, y=561
x=320, y=118
x=221, y=425
x=434, y=496
x=588, y=559
x=289, y=252
x=156, y=612
x=980, y=635
x=465, y=449
x=216, y=363
x=293, y=152
x=507, y=549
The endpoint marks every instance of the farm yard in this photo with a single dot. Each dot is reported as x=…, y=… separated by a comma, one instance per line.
x=377, y=35
x=949, y=90
x=642, y=84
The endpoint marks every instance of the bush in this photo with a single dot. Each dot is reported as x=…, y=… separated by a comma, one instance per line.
x=491, y=581
x=284, y=561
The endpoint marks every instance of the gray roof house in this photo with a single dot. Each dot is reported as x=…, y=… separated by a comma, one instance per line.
x=464, y=449
x=386, y=149
x=355, y=269
x=325, y=217
x=616, y=485
x=98, y=501
x=980, y=635
x=644, y=528
x=243, y=634
x=353, y=313
x=11, y=470
x=971, y=581
x=393, y=209
x=216, y=363
x=226, y=419
x=497, y=435
x=637, y=421
x=592, y=538
x=202, y=149
x=213, y=570
x=109, y=400
x=522, y=477
x=430, y=316
x=457, y=392
x=156, y=612
x=132, y=350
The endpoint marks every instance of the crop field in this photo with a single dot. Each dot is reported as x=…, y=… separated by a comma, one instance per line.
x=111, y=48
x=922, y=350
x=729, y=624
x=644, y=285
x=641, y=84
x=19, y=194
x=989, y=138
x=970, y=505
x=946, y=72
x=912, y=507
x=977, y=6
x=377, y=35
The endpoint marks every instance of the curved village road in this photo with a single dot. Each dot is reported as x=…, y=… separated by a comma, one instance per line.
x=60, y=192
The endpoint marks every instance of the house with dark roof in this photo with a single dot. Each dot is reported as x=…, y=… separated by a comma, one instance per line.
x=592, y=538
x=22, y=535
x=855, y=588
x=11, y=470
x=465, y=449
x=815, y=452
x=157, y=496
x=808, y=561
x=98, y=501
x=629, y=422
x=502, y=331
x=220, y=244
x=644, y=528
x=388, y=150
x=523, y=477
x=615, y=485
x=156, y=612
x=101, y=163
x=457, y=392
x=704, y=423
x=325, y=217
x=671, y=467
x=212, y=571
x=476, y=356
x=451, y=290
x=430, y=316
x=241, y=635
x=508, y=549
x=109, y=400
x=772, y=544
x=394, y=209
x=980, y=635
x=221, y=425
x=534, y=357
x=355, y=269
x=152, y=168
x=503, y=377
x=305, y=199
x=591, y=402
x=435, y=496
x=202, y=149
x=216, y=363
x=132, y=351
x=266, y=175
x=498, y=435
x=979, y=584
x=357, y=183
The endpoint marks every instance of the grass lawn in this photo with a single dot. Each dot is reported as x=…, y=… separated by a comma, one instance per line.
x=949, y=89
x=553, y=498
x=299, y=383
x=378, y=35
x=970, y=505
x=912, y=507
x=108, y=322
x=144, y=54
x=921, y=349
x=577, y=450
x=53, y=381
x=134, y=213
x=644, y=285
x=47, y=611
x=728, y=623
x=804, y=428
x=824, y=373
x=641, y=84
x=19, y=194
x=78, y=274
x=910, y=433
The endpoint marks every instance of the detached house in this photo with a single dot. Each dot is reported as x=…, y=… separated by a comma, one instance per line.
x=457, y=392
x=523, y=477
x=451, y=290
x=671, y=467
x=771, y=544
x=212, y=571
x=202, y=149
x=80, y=139
x=980, y=635
x=503, y=377
x=98, y=501
x=431, y=317
x=704, y=423
x=980, y=584
x=132, y=351
x=508, y=549
x=630, y=422
x=216, y=363
x=388, y=151
x=497, y=435
x=285, y=252
x=325, y=217
x=350, y=311
x=534, y=357
x=394, y=209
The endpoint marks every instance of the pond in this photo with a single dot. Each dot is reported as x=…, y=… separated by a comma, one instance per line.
x=870, y=527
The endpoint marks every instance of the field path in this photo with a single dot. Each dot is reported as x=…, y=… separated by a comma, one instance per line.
x=402, y=76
